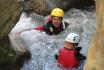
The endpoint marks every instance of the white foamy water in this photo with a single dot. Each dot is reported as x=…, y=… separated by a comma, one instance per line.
x=43, y=47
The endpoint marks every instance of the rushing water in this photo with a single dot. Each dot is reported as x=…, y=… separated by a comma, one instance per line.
x=43, y=47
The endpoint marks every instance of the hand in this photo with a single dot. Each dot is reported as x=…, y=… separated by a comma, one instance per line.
x=56, y=56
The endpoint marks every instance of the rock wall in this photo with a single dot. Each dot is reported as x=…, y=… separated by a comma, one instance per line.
x=43, y=7
x=9, y=15
x=95, y=60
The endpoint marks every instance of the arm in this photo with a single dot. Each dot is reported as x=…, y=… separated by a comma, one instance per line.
x=79, y=56
x=66, y=24
x=44, y=28
x=18, y=33
x=57, y=55
x=40, y=28
x=36, y=28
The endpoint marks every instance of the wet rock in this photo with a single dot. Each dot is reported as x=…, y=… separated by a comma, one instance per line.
x=43, y=7
x=96, y=51
x=10, y=12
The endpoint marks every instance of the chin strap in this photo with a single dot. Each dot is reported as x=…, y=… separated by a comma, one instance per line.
x=51, y=29
x=63, y=25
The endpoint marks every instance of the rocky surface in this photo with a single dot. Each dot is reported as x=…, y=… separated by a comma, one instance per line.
x=96, y=52
x=43, y=7
x=9, y=14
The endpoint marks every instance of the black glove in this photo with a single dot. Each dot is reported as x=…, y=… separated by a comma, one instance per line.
x=78, y=49
x=79, y=56
x=56, y=56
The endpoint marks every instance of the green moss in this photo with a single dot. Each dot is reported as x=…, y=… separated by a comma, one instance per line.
x=9, y=13
x=7, y=56
x=6, y=52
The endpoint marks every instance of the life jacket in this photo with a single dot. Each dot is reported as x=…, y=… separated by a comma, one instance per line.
x=67, y=58
x=51, y=29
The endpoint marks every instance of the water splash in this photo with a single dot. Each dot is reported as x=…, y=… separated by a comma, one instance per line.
x=43, y=47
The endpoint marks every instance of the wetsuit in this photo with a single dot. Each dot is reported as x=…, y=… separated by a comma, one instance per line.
x=50, y=29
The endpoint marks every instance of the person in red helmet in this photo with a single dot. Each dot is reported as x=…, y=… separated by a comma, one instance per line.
x=54, y=25
x=69, y=56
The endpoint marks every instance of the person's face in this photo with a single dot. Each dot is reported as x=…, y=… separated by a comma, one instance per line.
x=56, y=21
x=70, y=45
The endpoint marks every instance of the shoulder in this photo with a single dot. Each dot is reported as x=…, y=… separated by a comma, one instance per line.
x=65, y=25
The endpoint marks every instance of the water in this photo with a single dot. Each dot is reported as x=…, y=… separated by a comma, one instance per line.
x=43, y=47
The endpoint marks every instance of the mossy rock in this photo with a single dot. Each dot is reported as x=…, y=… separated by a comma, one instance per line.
x=9, y=15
